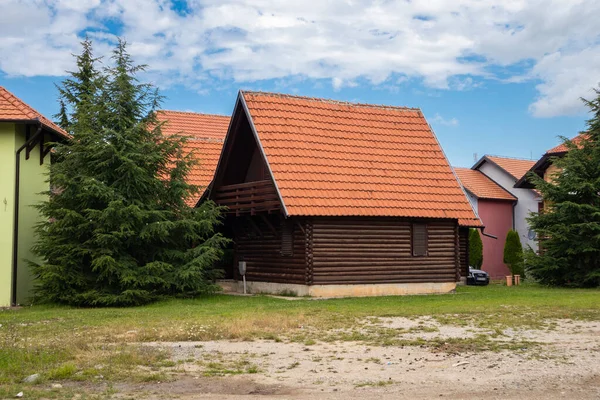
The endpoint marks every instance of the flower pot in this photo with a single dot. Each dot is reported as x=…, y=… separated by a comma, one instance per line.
x=509, y=280
x=517, y=280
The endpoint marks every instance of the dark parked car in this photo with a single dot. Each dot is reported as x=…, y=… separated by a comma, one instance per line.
x=477, y=277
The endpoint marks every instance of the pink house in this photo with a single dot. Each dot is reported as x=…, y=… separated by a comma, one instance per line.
x=495, y=207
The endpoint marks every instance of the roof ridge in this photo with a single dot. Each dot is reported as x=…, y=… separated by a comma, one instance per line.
x=193, y=138
x=194, y=113
x=510, y=158
x=331, y=101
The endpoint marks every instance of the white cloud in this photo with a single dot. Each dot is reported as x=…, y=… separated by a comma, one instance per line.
x=448, y=45
x=438, y=119
x=565, y=79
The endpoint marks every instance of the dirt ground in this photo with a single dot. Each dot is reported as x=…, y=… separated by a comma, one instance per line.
x=564, y=362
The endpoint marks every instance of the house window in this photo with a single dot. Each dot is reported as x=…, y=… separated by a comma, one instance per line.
x=419, y=239
x=287, y=238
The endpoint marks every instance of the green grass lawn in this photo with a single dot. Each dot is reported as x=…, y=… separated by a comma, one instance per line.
x=62, y=343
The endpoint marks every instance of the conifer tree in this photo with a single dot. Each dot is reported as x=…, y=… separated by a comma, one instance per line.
x=569, y=225
x=78, y=95
x=513, y=253
x=475, y=249
x=118, y=231
x=62, y=118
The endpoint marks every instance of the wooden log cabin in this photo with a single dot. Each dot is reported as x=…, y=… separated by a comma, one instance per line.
x=328, y=198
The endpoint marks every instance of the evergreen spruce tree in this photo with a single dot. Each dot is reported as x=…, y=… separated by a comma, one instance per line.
x=62, y=118
x=513, y=253
x=475, y=249
x=78, y=95
x=118, y=231
x=569, y=226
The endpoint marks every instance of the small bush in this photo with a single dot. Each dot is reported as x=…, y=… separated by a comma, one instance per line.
x=513, y=253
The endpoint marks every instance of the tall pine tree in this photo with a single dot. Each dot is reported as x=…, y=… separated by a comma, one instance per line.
x=569, y=226
x=118, y=231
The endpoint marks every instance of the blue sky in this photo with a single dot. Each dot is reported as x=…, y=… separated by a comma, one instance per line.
x=491, y=77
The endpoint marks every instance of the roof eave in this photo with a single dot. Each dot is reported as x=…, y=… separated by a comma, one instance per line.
x=539, y=168
x=46, y=127
x=513, y=197
x=453, y=172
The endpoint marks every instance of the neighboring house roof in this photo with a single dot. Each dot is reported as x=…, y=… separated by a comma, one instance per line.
x=333, y=158
x=13, y=109
x=561, y=148
x=205, y=133
x=514, y=166
x=542, y=164
x=481, y=186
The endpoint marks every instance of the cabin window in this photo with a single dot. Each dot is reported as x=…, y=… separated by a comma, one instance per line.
x=419, y=239
x=287, y=238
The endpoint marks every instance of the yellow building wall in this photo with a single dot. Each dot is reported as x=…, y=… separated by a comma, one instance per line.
x=550, y=172
x=7, y=195
x=33, y=181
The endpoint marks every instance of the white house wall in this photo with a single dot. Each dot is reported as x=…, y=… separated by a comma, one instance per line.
x=526, y=204
x=472, y=200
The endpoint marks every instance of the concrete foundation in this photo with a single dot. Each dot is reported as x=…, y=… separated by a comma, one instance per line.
x=359, y=290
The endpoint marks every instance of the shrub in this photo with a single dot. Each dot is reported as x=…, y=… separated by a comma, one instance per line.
x=475, y=249
x=513, y=253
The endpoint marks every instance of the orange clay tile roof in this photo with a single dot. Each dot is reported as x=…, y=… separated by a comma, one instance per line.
x=561, y=148
x=481, y=186
x=514, y=166
x=14, y=109
x=205, y=133
x=332, y=158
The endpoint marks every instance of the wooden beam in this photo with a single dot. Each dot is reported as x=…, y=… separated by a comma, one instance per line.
x=47, y=150
x=268, y=223
x=31, y=145
x=301, y=227
x=235, y=230
x=254, y=226
x=245, y=185
x=42, y=153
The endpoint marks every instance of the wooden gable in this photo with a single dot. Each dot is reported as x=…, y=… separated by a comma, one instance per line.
x=243, y=182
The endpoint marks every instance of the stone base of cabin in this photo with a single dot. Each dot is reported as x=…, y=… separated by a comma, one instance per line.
x=357, y=290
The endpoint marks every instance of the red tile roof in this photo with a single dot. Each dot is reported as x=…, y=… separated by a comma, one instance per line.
x=332, y=158
x=205, y=133
x=481, y=186
x=14, y=109
x=561, y=148
x=514, y=166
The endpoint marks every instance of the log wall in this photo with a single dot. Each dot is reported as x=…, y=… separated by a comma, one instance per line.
x=378, y=250
x=257, y=240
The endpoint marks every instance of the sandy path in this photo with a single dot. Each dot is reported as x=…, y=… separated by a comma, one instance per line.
x=566, y=365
